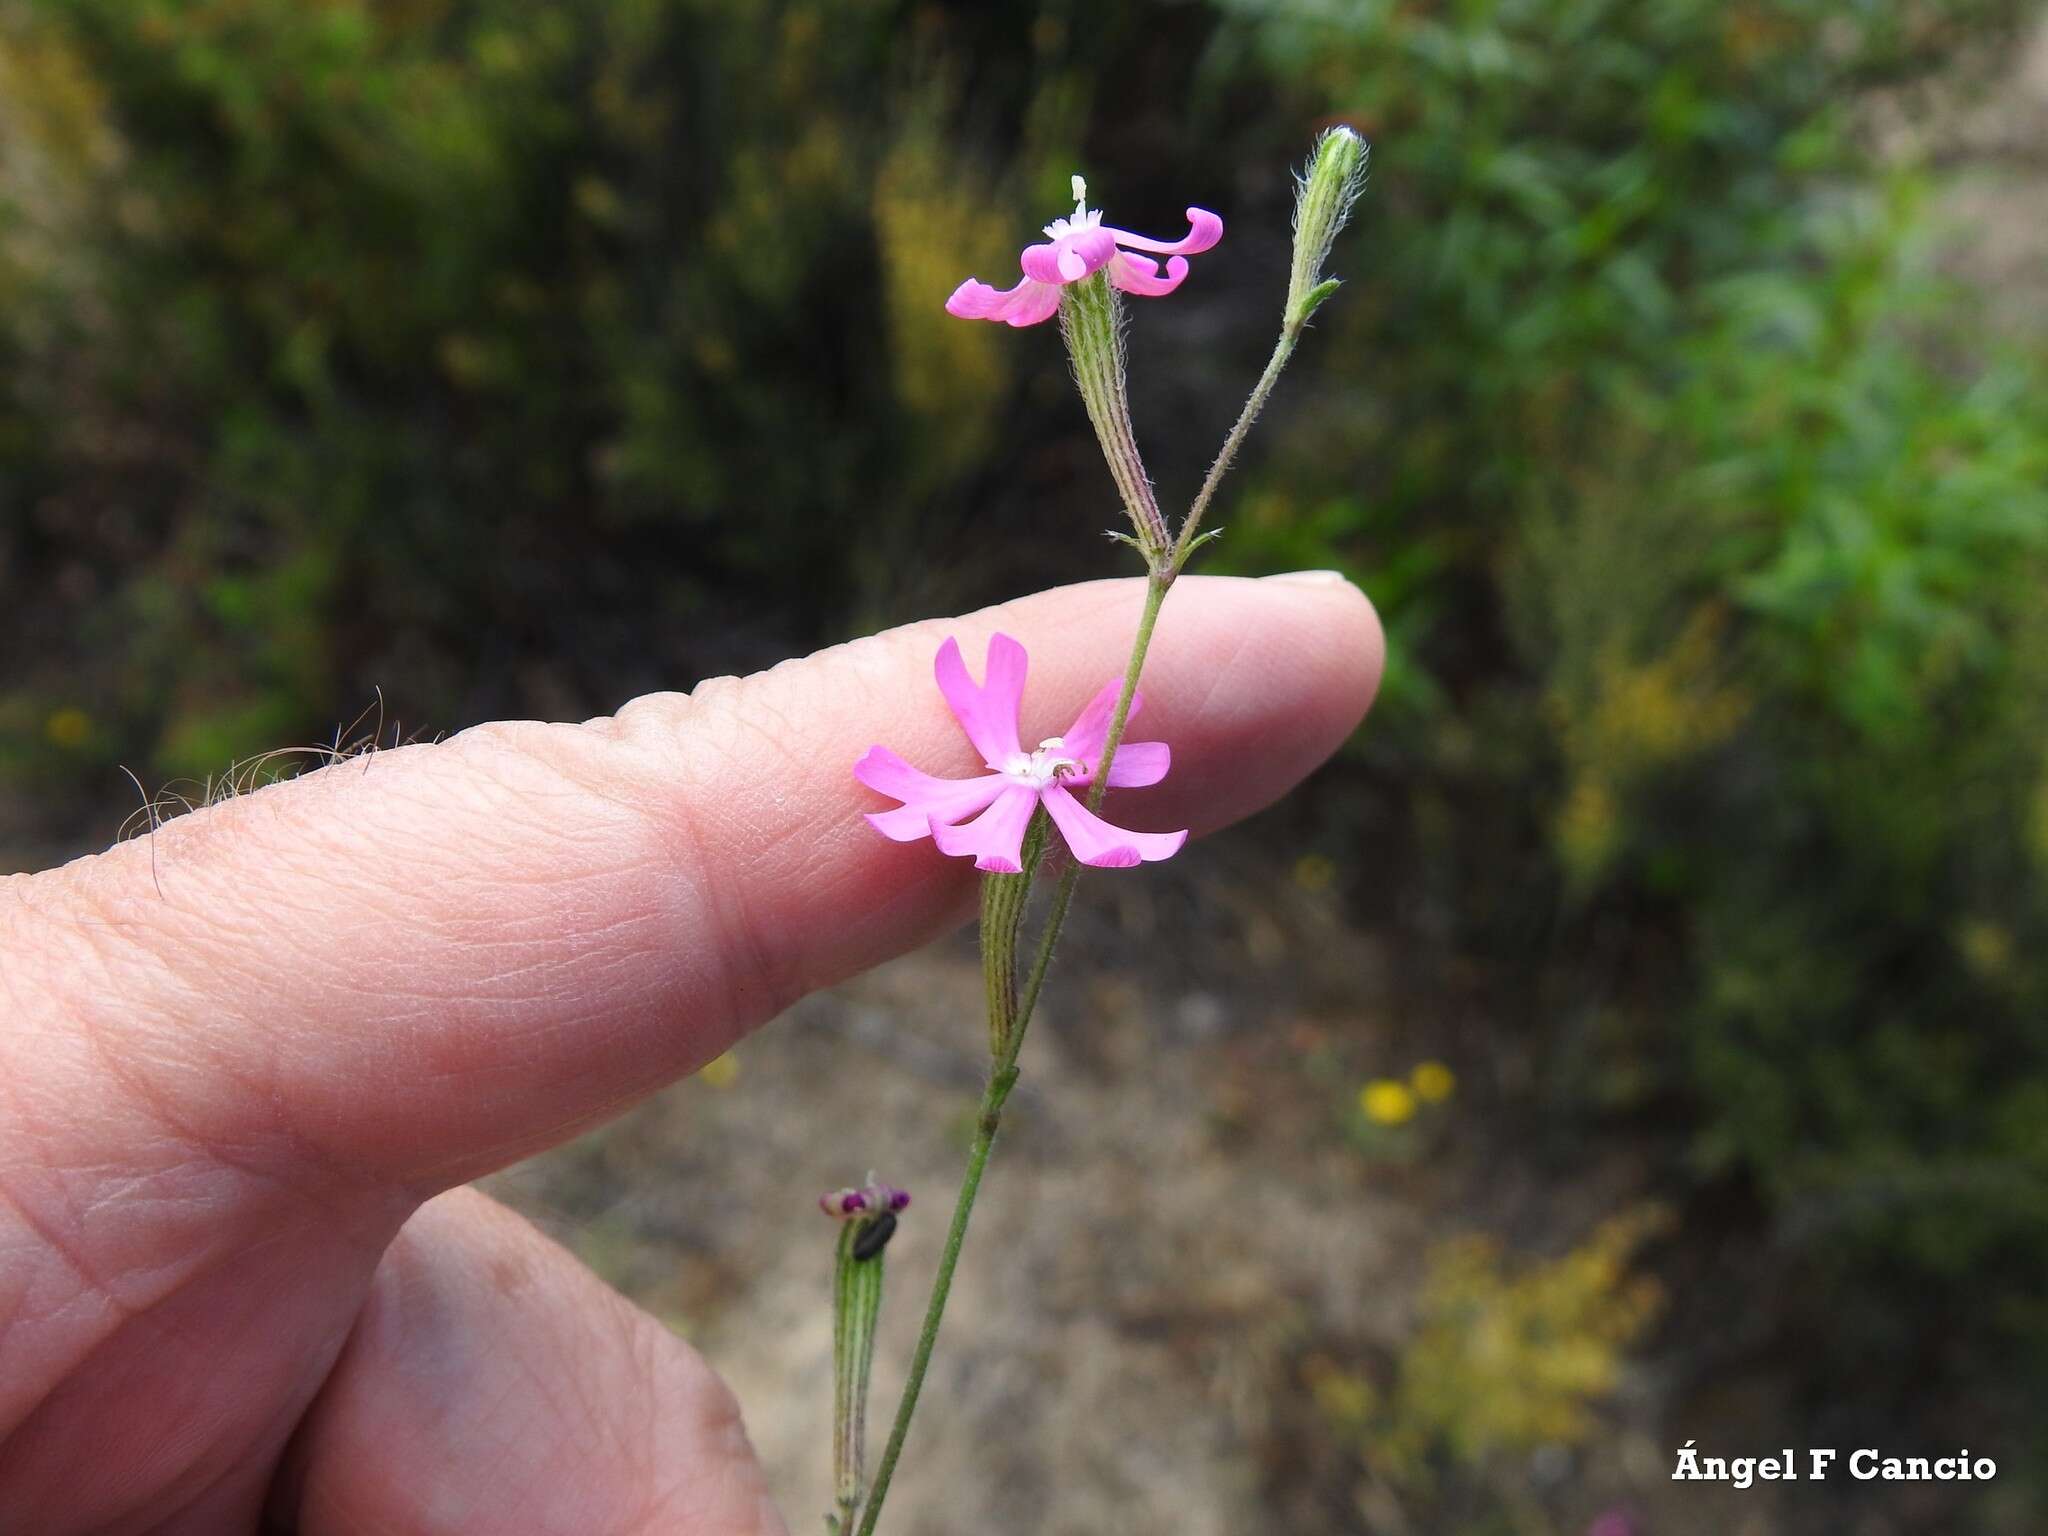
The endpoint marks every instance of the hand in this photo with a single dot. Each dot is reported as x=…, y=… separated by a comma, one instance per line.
x=244, y=1061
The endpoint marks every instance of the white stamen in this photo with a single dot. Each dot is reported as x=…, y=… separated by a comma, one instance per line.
x=1048, y=765
x=1080, y=193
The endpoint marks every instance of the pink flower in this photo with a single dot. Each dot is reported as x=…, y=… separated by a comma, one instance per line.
x=1018, y=782
x=1079, y=246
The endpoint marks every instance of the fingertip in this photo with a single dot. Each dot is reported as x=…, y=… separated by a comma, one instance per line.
x=1351, y=633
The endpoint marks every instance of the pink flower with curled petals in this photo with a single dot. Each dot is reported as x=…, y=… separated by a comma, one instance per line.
x=986, y=817
x=1078, y=247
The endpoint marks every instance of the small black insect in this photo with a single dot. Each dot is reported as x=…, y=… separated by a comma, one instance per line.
x=874, y=1237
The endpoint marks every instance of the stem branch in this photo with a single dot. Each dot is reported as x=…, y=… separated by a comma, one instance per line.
x=1283, y=349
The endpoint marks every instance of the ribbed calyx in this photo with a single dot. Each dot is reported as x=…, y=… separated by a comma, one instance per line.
x=856, y=1304
x=1002, y=913
x=1091, y=321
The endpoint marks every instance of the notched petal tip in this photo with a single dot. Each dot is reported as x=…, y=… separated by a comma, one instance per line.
x=997, y=834
x=1121, y=857
x=1097, y=842
x=905, y=824
x=972, y=300
x=877, y=767
x=1140, y=275
x=1029, y=303
x=1205, y=229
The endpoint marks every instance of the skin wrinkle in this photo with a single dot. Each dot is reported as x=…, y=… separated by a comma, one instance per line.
x=124, y=1308
x=667, y=872
x=166, y=961
x=285, y=1177
x=57, y=1243
x=98, y=1284
x=1221, y=674
x=435, y=1000
x=685, y=828
x=236, y=1470
x=164, y=1340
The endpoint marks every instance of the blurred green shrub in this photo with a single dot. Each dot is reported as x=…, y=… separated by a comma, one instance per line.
x=1722, y=734
x=350, y=343
x=1506, y=1359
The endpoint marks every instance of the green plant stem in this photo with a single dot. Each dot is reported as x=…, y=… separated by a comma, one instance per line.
x=990, y=1116
x=1003, y=1076
x=1283, y=349
x=1056, y=915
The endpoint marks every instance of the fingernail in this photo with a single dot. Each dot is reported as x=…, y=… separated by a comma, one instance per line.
x=1313, y=578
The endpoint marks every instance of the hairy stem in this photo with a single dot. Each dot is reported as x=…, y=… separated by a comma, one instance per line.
x=986, y=1121
x=1283, y=349
x=1056, y=916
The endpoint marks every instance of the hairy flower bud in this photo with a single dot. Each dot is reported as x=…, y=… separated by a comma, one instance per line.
x=1322, y=204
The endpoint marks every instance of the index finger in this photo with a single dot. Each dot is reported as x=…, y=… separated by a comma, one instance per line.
x=423, y=965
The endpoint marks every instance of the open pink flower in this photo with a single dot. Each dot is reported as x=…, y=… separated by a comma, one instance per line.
x=1079, y=246
x=1018, y=782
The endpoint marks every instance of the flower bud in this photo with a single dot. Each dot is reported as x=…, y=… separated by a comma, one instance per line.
x=1322, y=204
x=868, y=1214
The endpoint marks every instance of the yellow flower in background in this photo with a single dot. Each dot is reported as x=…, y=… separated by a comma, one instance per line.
x=1315, y=873
x=68, y=727
x=720, y=1072
x=1387, y=1102
x=1433, y=1082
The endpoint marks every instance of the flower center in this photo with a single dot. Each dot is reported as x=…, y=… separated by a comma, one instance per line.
x=1082, y=217
x=1048, y=765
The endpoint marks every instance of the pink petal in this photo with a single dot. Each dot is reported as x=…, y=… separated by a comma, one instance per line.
x=996, y=836
x=1042, y=303
x=987, y=713
x=925, y=797
x=1084, y=738
x=1069, y=258
x=915, y=819
x=882, y=770
x=908, y=823
x=1204, y=230
x=1026, y=304
x=1096, y=842
x=1140, y=275
x=1139, y=763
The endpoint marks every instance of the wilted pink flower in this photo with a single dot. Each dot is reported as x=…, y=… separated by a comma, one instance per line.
x=869, y=1199
x=1079, y=246
x=1002, y=800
